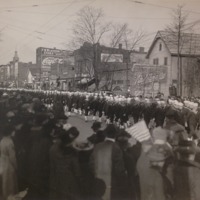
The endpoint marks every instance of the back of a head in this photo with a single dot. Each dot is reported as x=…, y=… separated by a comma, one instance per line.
x=186, y=150
x=171, y=114
x=69, y=136
x=111, y=131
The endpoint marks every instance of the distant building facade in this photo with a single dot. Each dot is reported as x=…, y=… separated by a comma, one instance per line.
x=111, y=65
x=139, y=57
x=62, y=75
x=17, y=74
x=46, y=57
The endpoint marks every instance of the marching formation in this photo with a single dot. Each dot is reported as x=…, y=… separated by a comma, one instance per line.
x=148, y=150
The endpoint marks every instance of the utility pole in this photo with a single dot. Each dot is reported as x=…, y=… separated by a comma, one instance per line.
x=179, y=64
x=40, y=82
x=127, y=73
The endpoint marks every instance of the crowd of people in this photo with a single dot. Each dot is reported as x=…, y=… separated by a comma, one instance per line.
x=40, y=158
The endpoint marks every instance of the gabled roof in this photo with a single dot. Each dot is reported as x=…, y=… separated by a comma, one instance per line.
x=189, y=43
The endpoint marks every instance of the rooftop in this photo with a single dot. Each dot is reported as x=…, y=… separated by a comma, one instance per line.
x=189, y=43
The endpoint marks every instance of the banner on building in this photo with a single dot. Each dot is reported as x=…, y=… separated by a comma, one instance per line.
x=147, y=79
x=48, y=61
x=149, y=74
x=53, y=52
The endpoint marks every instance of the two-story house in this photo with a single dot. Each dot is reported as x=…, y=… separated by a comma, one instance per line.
x=183, y=69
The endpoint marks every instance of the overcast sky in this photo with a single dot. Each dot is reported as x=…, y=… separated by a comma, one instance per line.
x=28, y=24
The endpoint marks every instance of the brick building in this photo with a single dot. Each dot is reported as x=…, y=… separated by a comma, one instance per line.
x=109, y=65
x=46, y=57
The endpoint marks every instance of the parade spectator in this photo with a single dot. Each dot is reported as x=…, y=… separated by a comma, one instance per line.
x=152, y=164
x=145, y=172
x=21, y=138
x=38, y=159
x=98, y=135
x=107, y=164
x=66, y=169
x=177, y=132
x=54, y=155
x=131, y=154
x=186, y=173
x=191, y=122
x=8, y=163
x=61, y=121
x=50, y=164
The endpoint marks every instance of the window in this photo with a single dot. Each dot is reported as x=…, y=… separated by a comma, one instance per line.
x=114, y=82
x=165, y=61
x=160, y=47
x=45, y=74
x=120, y=82
x=155, y=61
x=117, y=88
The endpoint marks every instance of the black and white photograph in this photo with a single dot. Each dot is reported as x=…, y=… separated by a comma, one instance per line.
x=99, y=100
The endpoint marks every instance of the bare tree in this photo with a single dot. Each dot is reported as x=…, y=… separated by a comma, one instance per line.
x=115, y=37
x=176, y=30
x=129, y=39
x=91, y=28
x=192, y=67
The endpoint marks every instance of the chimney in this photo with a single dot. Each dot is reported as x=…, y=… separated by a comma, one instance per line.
x=120, y=46
x=141, y=49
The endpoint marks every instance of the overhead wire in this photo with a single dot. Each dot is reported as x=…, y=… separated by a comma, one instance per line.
x=161, y=6
x=91, y=1
x=30, y=13
x=52, y=18
x=30, y=33
x=16, y=20
x=35, y=5
x=49, y=20
x=23, y=29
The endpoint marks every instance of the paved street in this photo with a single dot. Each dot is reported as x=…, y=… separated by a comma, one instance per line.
x=83, y=127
